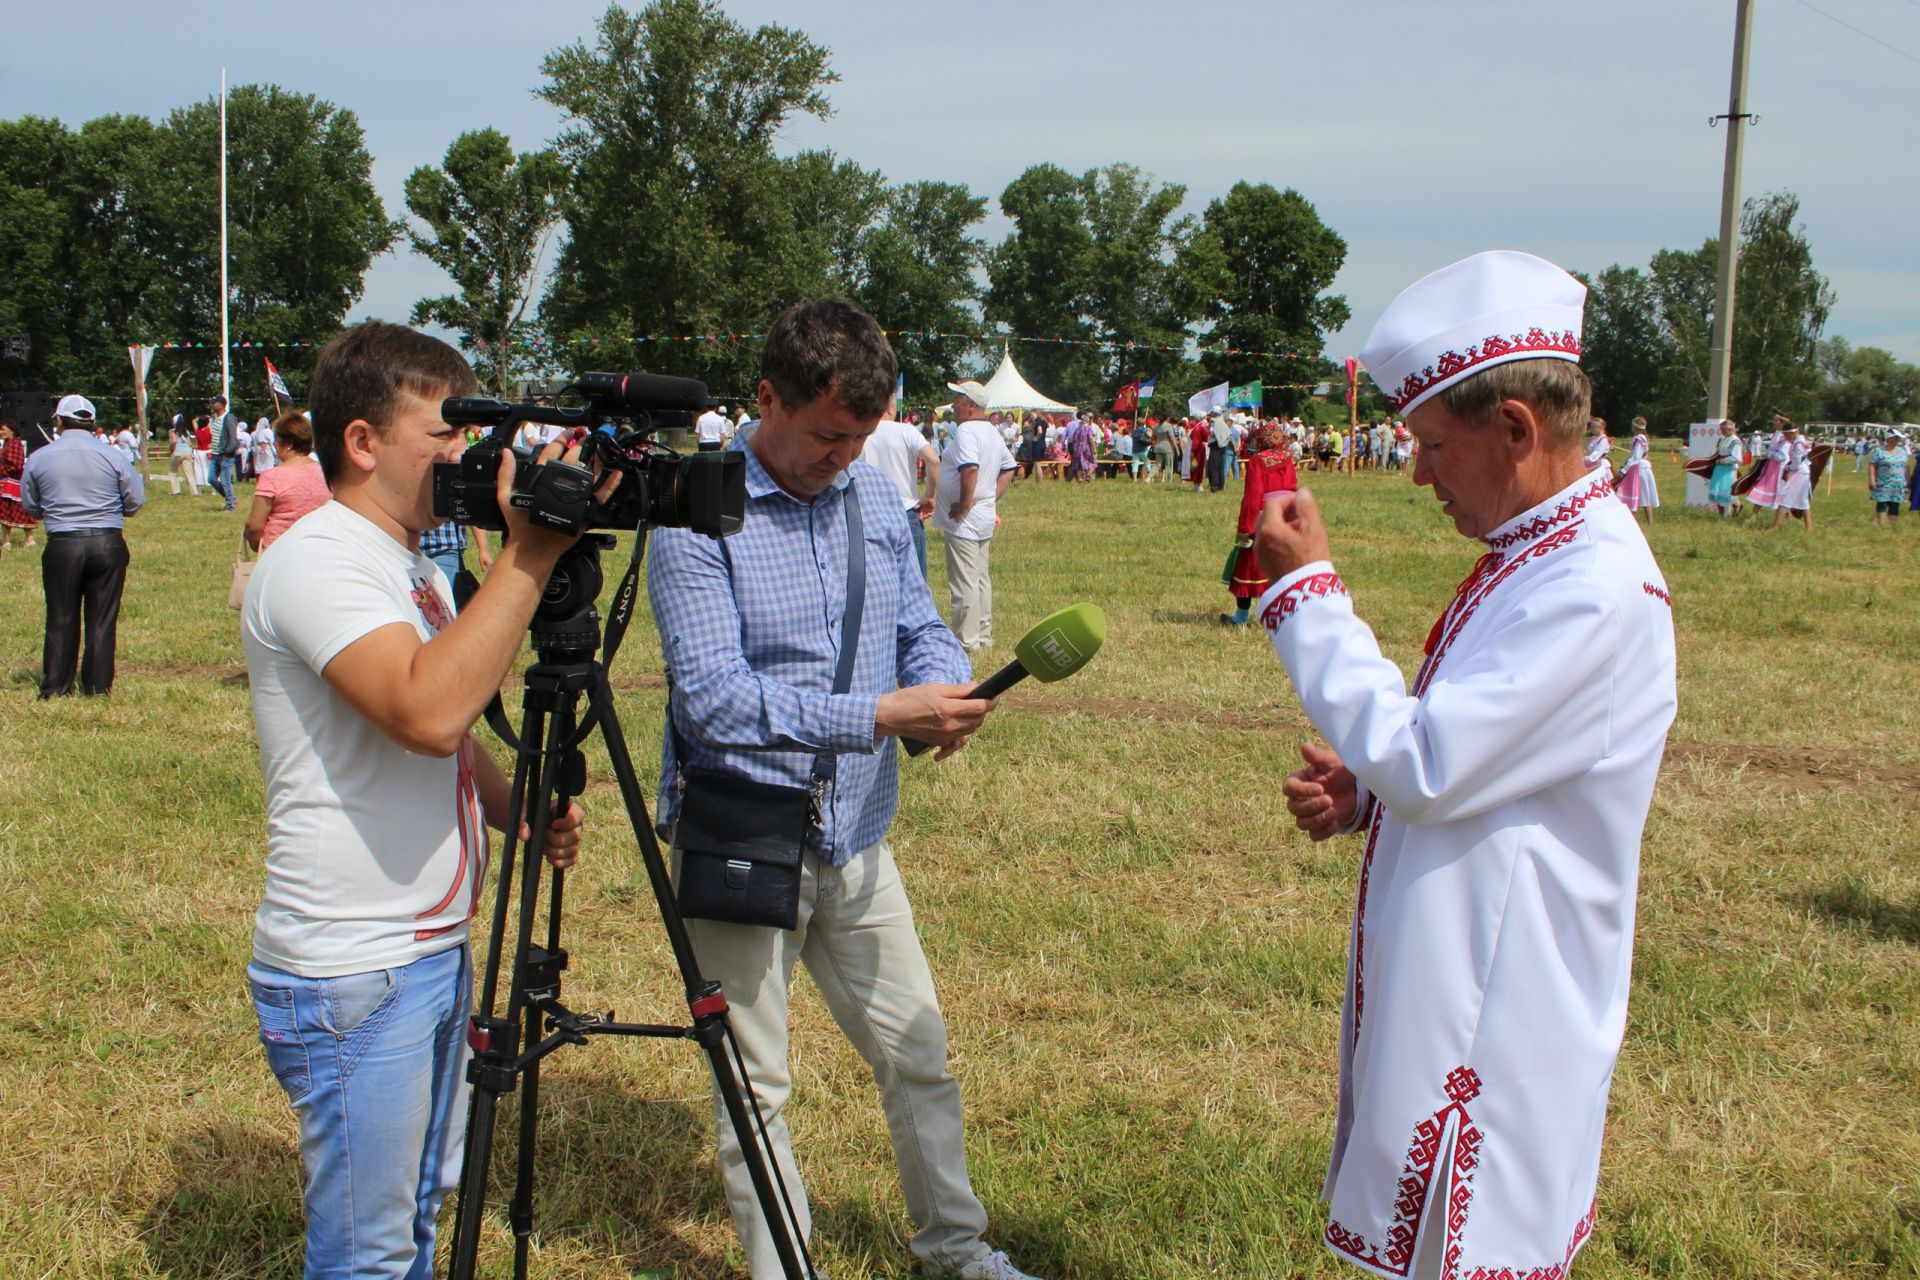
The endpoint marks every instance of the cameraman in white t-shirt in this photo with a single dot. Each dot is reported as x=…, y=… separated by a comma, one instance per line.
x=365, y=688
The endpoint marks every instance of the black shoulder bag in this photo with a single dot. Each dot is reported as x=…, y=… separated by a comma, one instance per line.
x=741, y=840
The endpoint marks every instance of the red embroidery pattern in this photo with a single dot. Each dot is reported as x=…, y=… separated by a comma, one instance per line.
x=1657, y=594
x=1451, y=364
x=1395, y=1254
x=1465, y=608
x=1289, y=600
x=1581, y=1230
x=1540, y=525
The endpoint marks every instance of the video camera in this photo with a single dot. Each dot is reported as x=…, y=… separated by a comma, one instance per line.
x=704, y=492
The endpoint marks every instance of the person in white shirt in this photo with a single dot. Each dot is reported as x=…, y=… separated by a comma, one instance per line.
x=898, y=450
x=710, y=431
x=1504, y=795
x=975, y=470
x=128, y=444
x=365, y=689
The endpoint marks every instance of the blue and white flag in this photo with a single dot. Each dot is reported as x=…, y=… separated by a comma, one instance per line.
x=1146, y=389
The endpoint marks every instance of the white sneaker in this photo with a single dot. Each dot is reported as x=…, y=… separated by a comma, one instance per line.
x=992, y=1266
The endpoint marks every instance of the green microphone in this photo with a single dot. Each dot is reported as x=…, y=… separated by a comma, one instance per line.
x=1059, y=645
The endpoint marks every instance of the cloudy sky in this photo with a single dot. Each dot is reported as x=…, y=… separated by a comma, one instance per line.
x=1423, y=130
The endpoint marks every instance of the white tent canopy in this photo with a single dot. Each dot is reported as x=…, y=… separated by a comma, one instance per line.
x=1006, y=389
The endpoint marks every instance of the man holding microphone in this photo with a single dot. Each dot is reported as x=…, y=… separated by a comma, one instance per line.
x=754, y=631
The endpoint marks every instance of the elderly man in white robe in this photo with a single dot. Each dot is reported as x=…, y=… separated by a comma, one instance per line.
x=1503, y=796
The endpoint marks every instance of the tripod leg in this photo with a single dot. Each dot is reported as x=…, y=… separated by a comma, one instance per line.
x=494, y=1042
x=564, y=774
x=711, y=1027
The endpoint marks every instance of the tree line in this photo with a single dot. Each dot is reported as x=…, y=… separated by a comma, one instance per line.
x=662, y=208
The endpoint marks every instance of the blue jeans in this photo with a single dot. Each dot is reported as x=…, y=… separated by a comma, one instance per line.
x=449, y=562
x=375, y=1066
x=222, y=477
x=919, y=527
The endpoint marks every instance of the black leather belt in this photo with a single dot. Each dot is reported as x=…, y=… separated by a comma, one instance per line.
x=83, y=533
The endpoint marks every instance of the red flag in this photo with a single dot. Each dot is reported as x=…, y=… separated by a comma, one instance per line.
x=1128, y=401
x=1353, y=380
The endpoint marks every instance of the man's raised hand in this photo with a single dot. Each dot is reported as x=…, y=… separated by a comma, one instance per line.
x=1289, y=534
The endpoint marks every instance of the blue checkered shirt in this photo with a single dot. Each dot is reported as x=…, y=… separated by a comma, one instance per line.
x=750, y=627
x=442, y=538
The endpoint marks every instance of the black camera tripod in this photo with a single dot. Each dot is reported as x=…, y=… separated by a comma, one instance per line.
x=549, y=770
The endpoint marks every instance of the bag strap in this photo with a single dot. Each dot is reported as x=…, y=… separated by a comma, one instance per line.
x=825, y=764
x=246, y=549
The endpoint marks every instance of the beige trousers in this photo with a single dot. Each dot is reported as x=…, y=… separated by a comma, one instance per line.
x=970, y=590
x=857, y=939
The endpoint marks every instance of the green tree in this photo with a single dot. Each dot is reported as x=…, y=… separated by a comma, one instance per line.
x=488, y=215
x=1780, y=308
x=681, y=219
x=1259, y=271
x=1094, y=259
x=111, y=237
x=1866, y=384
x=1625, y=349
x=916, y=274
x=304, y=220
x=1033, y=276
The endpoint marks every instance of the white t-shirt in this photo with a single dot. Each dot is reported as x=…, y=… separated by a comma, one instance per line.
x=711, y=428
x=375, y=854
x=894, y=447
x=974, y=444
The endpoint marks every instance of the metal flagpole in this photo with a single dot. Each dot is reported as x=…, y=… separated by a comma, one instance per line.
x=226, y=352
x=1720, y=373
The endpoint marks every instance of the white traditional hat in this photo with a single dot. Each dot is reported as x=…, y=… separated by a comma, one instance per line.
x=1485, y=310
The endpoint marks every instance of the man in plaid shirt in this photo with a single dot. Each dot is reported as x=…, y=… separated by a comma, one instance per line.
x=751, y=629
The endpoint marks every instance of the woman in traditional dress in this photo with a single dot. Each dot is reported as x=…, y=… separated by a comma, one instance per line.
x=1638, y=489
x=13, y=463
x=1269, y=471
x=1795, y=491
x=1887, y=470
x=1197, y=455
x=1080, y=437
x=1762, y=486
x=1727, y=452
x=1599, y=447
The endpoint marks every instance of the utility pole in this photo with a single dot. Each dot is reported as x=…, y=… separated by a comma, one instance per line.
x=1720, y=357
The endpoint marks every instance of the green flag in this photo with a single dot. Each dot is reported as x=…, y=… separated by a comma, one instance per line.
x=1245, y=397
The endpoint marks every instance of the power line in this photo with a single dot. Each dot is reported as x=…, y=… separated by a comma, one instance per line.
x=1864, y=34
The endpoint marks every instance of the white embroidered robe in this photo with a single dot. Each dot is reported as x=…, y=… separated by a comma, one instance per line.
x=1504, y=799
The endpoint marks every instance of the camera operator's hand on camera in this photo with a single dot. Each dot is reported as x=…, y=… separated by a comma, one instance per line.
x=544, y=545
x=941, y=714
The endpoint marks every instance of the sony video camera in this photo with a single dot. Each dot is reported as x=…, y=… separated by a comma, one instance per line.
x=704, y=492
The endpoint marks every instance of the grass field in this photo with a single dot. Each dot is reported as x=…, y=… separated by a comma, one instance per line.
x=1140, y=959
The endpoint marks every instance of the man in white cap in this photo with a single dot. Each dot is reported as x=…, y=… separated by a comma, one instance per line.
x=1503, y=796
x=975, y=469
x=84, y=494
